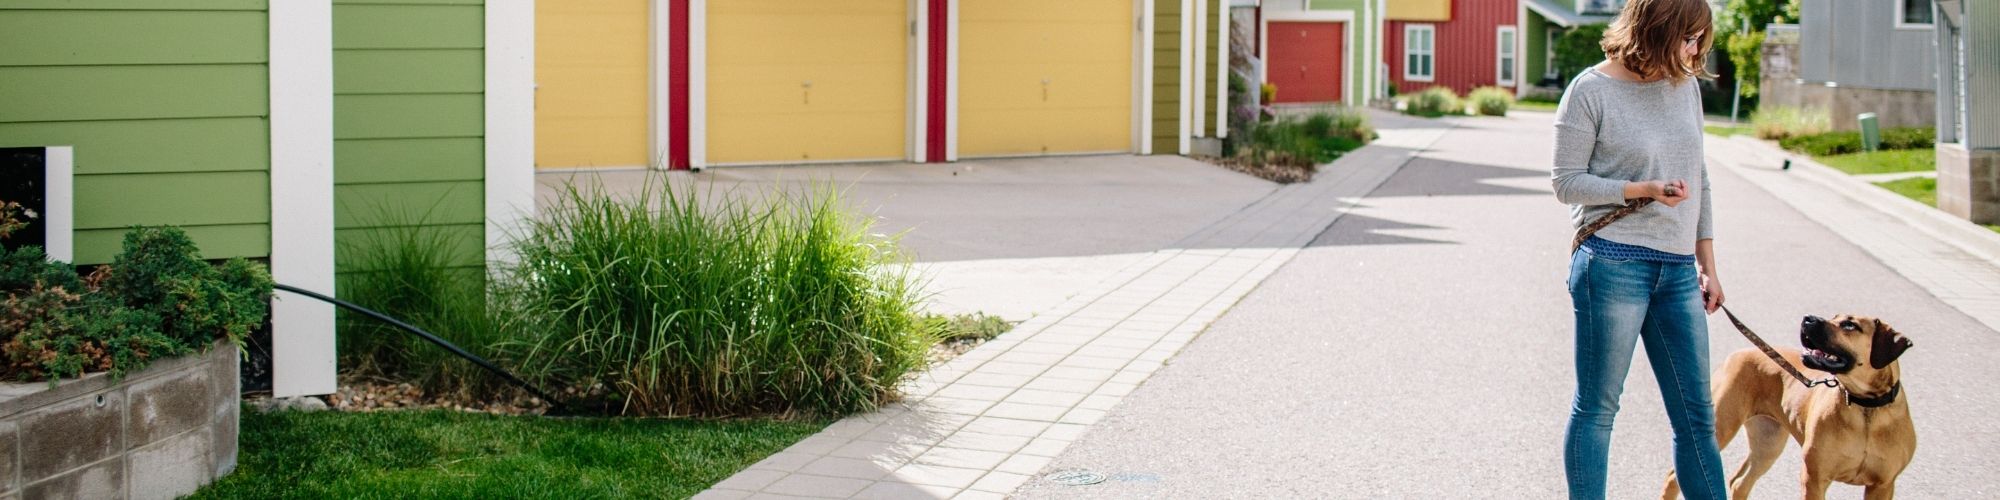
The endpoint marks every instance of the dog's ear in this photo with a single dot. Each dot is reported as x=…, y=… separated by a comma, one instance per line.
x=1889, y=345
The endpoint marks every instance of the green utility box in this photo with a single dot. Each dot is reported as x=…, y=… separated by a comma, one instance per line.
x=1871, y=134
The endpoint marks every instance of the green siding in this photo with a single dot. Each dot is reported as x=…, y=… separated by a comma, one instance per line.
x=1166, y=76
x=1534, y=31
x=409, y=121
x=165, y=103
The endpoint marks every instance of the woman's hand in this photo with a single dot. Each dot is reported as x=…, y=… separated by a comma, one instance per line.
x=1711, y=291
x=1671, y=193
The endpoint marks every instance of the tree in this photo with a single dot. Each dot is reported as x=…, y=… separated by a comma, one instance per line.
x=1739, y=32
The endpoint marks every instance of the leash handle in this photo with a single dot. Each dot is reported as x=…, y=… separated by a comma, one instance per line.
x=1633, y=206
x=1583, y=233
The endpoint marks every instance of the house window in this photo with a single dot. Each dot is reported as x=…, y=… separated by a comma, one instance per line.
x=1913, y=13
x=1419, y=52
x=1506, y=56
x=1549, y=56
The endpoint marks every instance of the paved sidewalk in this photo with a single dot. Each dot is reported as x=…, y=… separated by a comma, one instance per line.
x=1873, y=220
x=984, y=423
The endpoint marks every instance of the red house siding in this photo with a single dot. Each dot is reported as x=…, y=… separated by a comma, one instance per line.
x=1466, y=46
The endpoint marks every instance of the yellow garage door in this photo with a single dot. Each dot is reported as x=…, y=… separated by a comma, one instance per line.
x=591, y=62
x=1044, y=76
x=791, y=81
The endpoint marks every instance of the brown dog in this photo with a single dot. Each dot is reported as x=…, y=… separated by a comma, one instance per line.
x=1859, y=433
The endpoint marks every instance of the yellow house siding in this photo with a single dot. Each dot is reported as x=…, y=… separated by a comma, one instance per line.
x=796, y=81
x=1420, y=10
x=1044, y=76
x=591, y=75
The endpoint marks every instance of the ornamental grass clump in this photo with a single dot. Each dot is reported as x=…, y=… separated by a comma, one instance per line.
x=418, y=272
x=1491, y=101
x=697, y=304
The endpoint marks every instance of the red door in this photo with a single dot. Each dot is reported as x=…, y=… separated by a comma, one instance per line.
x=1305, y=60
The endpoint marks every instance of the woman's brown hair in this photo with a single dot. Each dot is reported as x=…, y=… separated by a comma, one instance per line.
x=1648, y=34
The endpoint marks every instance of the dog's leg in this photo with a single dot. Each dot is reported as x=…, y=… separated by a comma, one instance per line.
x=1815, y=488
x=1884, y=491
x=1673, y=487
x=1766, y=440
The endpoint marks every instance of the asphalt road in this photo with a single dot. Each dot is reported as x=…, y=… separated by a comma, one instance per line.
x=1421, y=348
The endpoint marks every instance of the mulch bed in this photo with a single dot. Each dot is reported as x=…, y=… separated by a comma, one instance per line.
x=1274, y=172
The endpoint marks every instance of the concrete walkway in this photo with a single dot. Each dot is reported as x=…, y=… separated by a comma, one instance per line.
x=985, y=423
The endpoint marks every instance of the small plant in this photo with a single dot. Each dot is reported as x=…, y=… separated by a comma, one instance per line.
x=1491, y=101
x=1269, y=93
x=1779, y=122
x=1434, y=102
x=978, y=327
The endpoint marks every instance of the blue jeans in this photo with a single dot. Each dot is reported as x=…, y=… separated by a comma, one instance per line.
x=1617, y=303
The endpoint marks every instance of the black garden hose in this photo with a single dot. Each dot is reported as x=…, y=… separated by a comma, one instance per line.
x=560, y=406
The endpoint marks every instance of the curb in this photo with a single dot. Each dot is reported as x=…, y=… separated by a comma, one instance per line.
x=1960, y=233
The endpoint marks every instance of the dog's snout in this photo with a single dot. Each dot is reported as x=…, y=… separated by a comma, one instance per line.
x=1812, y=320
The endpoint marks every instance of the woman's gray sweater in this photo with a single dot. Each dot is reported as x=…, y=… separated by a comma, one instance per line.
x=1610, y=131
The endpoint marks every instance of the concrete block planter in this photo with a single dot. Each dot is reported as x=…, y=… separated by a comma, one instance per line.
x=161, y=432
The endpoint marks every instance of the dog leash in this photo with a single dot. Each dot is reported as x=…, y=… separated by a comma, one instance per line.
x=1634, y=206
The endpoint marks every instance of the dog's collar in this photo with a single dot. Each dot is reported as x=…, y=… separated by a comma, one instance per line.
x=1877, y=401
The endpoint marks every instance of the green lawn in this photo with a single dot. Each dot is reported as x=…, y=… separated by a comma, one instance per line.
x=1881, y=162
x=1726, y=130
x=1922, y=189
x=439, y=454
x=1546, y=106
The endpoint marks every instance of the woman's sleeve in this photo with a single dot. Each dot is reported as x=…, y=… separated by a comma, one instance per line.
x=1576, y=137
x=1704, y=227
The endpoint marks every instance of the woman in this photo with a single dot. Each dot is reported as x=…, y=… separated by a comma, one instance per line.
x=1627, y=129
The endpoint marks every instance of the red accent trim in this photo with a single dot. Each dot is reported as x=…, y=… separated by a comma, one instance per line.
x=677, y=85
x=934, y=121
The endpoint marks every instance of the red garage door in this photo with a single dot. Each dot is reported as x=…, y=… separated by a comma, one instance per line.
x=1305, y=60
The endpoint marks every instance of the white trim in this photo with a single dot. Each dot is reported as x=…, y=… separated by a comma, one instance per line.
x=1144, y=75
x=1501, y=51
x=1222, y=70
x=510, y=122
x=1200, y=63
x=951, y=81
x=59, y=203
x=659, y=106
x=1185, y=86
x=1347, y=66
x=697, y=84
x=917, y=85
x=1902, y=12
x=301, y=134
x=1430, y=50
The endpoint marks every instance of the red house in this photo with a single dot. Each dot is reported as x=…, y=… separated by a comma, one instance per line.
x=1461, y=44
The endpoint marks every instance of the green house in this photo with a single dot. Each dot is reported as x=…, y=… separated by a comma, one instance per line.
x=274, y=130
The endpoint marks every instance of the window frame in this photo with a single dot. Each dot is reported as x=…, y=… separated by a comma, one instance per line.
x=1429, y=52
x=1903, y=16
x=1506, y=55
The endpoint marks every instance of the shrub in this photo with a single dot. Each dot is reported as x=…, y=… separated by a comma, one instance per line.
x=157, y=299
x=688, y=304
x=1491, y=101
x=1434, y=102
x=1578, y=48
x=1840, y=143
x=1909, y=138
x=1779, y=122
